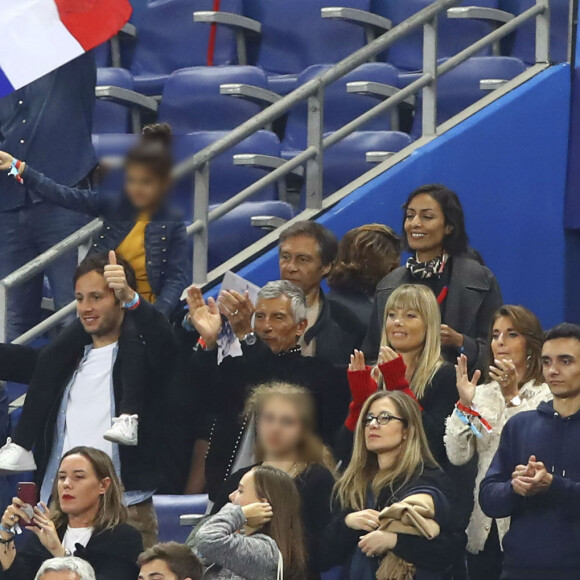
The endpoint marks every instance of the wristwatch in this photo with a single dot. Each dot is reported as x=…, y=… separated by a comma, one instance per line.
x=516, y=401
x=250, y=339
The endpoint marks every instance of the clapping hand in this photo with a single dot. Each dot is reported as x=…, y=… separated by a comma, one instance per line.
x=505, y=373
x=205, y=317
x=357, y=362
x=465, y=387
x=531, y=479
x=238, y=309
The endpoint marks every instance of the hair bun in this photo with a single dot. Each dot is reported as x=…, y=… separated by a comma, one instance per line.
x=160, y=132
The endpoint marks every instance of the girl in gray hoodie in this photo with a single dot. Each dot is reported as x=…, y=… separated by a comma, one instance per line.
x=258, y=536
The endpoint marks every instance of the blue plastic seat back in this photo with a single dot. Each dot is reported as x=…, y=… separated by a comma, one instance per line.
x=340, y=107
x=233, y=232
x=346, y=160
x=111, y=117
x=168, y=39
x=192, y=102
x=459, y=88
x=525, y=36
x=169, y=508
x=226, y=179
x=103, y=54
x=454, y=35
x=295, y=36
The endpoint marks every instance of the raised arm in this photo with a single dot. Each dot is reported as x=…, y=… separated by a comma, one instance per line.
x=82, y=200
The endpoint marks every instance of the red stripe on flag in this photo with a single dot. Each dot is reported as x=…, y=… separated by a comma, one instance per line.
x=93, y=22
x=212, y=36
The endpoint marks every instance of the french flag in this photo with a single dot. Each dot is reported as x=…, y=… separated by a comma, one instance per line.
x=38, y=36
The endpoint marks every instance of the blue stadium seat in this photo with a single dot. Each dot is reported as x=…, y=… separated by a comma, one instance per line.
x=112, y=117
x=294, y=37
x=168, y=39
x=339, y=106
x=454, y=35
x=346, y=160
x=525, y=36
x=233, y=232
x=460, y=88
x=192, y=101
x=169, y=508
x=226, y=179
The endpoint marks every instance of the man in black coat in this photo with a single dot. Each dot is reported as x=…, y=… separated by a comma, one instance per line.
x=137, y=344
x=270, y=353
x=305, y=256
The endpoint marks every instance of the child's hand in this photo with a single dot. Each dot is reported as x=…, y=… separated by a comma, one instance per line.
x=5, y=161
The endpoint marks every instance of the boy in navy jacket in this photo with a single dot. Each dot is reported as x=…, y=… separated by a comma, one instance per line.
x=535, y=475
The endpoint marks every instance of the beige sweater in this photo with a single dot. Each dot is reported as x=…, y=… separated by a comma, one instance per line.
x=461, y=444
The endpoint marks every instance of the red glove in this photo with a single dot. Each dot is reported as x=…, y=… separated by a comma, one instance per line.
x=362, y=386
x=394, y=375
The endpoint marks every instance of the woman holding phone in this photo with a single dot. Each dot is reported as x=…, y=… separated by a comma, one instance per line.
x=88, y=521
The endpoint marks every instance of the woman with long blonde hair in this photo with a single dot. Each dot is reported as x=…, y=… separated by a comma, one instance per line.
x=285, y=423
x=391, y=462
x=88, y=520
x=410, y=361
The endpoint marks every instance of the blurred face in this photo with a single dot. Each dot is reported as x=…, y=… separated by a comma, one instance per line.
x=507, y=343
x=62, y=575
x=425, y=227
x=561, y=365
x=279, y=428
x=156, y=570
x=99, y=311
x=300, y=263
x=144, y=189
x=405, y=330
x=384, y=438
x=246, y=492
x=274, y=323
x=79, y=489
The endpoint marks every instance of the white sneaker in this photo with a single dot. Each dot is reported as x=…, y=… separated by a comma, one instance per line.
x=124, y=430
x=15, y=459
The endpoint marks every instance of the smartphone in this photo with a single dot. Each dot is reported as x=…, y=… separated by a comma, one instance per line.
x=28, y=493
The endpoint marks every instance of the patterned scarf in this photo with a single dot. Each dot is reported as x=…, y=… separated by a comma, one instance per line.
x=423, y=270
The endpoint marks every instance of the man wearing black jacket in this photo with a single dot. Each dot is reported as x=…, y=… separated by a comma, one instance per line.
x=305, y=256
x=72, y=395
x=270, y=353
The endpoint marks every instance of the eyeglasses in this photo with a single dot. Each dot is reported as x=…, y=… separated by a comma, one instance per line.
x=383, y=418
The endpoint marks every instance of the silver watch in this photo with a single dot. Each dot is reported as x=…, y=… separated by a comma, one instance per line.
x=250, y=339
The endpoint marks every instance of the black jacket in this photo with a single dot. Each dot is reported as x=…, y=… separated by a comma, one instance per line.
x=335, y=332
x=113, y=555
x=315, y=487
x=438, y=555
x=473, y=298
x=145, y=348
x=232, y=382
x=359, y=307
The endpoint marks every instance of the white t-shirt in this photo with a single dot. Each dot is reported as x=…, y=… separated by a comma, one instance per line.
x=74, y=536
x=88, y=411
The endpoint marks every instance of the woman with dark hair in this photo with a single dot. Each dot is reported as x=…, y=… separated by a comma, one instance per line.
x=391, y=463
x=88, y=520
x=285, y=418
x=514, y=384
x=467, y=292
x=139, y=225
x=365, y=256
x=258, y=536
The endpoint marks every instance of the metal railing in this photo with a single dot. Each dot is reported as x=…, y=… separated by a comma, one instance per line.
x=312, y=156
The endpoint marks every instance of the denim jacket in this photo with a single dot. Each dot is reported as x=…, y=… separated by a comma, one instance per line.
x=166, y=254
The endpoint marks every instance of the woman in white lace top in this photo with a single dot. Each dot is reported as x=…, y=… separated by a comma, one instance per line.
x=514, y=384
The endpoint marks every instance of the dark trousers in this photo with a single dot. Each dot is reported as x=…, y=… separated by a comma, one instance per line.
x=487, y=564
x=24, y=234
